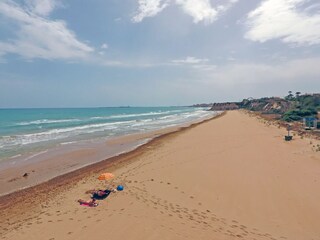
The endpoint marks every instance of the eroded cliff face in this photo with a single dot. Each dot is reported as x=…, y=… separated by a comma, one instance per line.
x=267, y=105
x=300, y=105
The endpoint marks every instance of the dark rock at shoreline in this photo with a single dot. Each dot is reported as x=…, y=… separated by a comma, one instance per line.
x=224, y=106
x=203, y=105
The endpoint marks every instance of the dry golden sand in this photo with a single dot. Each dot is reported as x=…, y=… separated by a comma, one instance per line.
x=233, y=177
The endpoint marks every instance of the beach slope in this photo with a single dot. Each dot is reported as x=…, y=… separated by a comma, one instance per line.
x=233, y=177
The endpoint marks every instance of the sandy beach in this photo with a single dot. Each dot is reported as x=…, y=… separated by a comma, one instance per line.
x=232, y=177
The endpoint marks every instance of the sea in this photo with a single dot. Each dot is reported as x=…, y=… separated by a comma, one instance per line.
x=28, y=132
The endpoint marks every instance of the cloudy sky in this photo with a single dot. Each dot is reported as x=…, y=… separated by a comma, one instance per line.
x=76, y=53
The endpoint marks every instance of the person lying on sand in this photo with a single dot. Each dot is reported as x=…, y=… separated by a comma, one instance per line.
x=99, y=195
x=96, y=195
x=103, y=194
x=88, y=203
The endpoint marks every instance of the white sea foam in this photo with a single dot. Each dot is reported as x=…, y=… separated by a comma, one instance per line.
x=131, y=115
x=67, y=143
x=34, y=155
x=149, y=121
x=15, y=156
x=56, y=134
x=47, y=121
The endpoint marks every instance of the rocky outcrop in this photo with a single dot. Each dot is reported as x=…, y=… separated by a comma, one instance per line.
x=272, y=105
x=224, y=106
x=203, y=105
x=267, y=105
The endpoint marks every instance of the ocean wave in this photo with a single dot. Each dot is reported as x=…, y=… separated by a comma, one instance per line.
x=55, y=134
x=155, y=120
x=138, y=114
x=46, y=121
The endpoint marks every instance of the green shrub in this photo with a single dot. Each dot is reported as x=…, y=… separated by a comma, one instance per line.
x=291, y=117
x=299, y=114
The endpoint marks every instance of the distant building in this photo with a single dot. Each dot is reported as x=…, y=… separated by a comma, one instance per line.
x=310, y=123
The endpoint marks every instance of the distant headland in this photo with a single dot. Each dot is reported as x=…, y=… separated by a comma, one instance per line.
x=293, y=108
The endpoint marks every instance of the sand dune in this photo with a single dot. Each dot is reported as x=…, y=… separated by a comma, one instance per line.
x=233, y=177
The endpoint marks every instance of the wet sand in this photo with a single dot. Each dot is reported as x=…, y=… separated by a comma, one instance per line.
x=233, y=177
x=27, y=171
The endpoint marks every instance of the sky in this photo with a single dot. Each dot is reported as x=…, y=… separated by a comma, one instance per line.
x=97, y=53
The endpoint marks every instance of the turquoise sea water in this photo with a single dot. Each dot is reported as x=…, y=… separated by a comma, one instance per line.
x=30, y=130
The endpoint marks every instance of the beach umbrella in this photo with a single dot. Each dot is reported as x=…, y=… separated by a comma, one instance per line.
x=106, y=176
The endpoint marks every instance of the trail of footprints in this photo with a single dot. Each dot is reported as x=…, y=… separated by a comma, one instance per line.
x=65, y=215
x=204, y=220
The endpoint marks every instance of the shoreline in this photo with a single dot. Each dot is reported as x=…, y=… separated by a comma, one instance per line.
x=225, y=178
x=68, y=178
x=59, y=161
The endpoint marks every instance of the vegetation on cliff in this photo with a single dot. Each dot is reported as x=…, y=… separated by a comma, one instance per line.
x=290, y=108
x=307, y=105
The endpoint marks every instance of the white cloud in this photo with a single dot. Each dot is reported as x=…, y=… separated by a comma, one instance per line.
x=199, y=10
x=190, y=60
x=291, y=72
x=231, y=59
x=104, y=46
x=235, y=81
x=42, y=7
x=39, y=37
x=149, y=8
x=288, y=20
x=227, y=5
